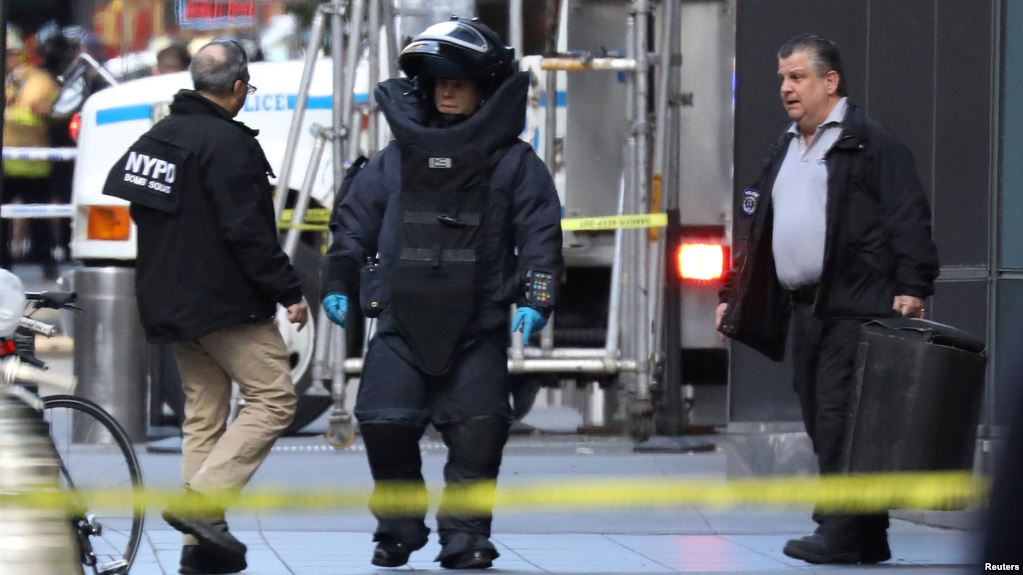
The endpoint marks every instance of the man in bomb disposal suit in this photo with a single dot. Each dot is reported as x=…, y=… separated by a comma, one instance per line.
x=838, y=231
x=210, y=270
x=458, y=219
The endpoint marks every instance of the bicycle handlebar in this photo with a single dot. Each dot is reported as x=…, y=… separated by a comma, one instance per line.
x=13, y=370
x=53, y=299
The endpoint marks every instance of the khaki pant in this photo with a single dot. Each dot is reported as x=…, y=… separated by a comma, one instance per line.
x=215, y=456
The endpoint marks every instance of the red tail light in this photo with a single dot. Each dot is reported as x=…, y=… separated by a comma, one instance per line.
x=7, y=347
x=74, y=126
x=701, y=261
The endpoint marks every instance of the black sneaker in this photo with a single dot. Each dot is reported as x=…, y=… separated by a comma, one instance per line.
x=198, y=560
x=212, y=533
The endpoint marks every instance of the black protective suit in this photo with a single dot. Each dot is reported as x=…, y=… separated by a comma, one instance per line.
x=455, y=218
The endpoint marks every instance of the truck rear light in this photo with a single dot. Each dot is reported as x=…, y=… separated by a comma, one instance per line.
x=74, y=126
x=701, y=261
x=111, y=223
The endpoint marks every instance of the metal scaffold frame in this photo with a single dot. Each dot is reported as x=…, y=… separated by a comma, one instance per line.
x=636, y=328
x=638, y=303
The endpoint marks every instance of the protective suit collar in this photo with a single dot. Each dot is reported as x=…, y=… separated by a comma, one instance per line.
x=499, y=121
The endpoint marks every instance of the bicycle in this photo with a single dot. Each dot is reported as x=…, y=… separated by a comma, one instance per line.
x=108, y=539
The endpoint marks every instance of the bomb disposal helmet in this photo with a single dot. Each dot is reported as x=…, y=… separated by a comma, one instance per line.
x=459, y=48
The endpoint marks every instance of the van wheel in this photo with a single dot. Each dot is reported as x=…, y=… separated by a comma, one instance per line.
x=300, y=351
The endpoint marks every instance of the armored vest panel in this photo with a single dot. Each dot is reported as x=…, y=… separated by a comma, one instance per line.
x=437, y=278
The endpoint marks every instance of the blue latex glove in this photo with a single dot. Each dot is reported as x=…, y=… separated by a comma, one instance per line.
x=336, y=306
x=529, y=320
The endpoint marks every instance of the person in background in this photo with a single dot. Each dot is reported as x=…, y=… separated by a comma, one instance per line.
x=173, y=58
x=57, y=53
x=838, y=231
x=29, y=92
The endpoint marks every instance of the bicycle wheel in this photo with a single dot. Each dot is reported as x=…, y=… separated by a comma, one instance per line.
x=96, y=454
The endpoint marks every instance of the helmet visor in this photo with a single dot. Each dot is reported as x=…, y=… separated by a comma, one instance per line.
x=456, y=33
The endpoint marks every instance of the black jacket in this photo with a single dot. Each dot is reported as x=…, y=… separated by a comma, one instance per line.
x=208, y=254
x=878, y=238
x=523, y=216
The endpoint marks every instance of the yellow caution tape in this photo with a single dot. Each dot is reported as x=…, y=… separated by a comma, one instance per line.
x=631, y=221
x=316, y=220
x=303, y=227
x=856, y=493
x=656, y=191
x=312, y=216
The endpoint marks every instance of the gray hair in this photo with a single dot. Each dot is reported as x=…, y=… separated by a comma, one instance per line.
x=824, y=56
x=215, y=72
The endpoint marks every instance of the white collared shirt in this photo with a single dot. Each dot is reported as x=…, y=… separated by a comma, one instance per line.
x=799, y=199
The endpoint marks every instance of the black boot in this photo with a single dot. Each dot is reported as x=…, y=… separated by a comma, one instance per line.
x=197, y=559
x=208, y=527
x=874, y=538
x=818, y=548
x=467, y=551
x=394, y=460
x=474, y=454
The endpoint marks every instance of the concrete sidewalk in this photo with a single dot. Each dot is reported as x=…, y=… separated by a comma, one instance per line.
x=687, y=539
x=917, y=550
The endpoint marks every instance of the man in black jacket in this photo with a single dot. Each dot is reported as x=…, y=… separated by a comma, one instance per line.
x=210, y=273
x=459, y=219
x=836, y=230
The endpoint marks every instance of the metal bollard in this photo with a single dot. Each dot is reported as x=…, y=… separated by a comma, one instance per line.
x=32, y=541
x=110, y=348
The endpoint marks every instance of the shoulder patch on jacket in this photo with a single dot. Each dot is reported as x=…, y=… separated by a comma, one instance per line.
x=750, y=200
x=150, y=173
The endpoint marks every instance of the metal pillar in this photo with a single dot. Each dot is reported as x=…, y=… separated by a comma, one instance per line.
x=642, y=181
x=515, y=26
x=321, y=136
x=5, y=254
x=671, y=413
x=664, y=152
x=337, y=150
x=373, y=131
x=393, y=42
x=111, y=368
x=301, y=103
x=666, y=157
x=352, y=52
